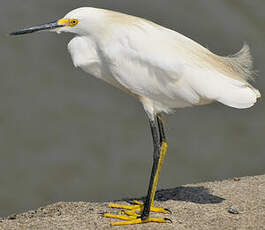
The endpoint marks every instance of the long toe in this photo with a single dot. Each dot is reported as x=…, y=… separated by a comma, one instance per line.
x=140, y=221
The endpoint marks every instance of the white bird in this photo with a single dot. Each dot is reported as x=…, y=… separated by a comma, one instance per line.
x=163, y=69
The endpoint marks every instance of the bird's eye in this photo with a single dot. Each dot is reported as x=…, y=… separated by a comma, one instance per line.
x=74, y=22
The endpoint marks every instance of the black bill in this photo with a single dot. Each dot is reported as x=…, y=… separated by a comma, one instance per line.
x=48, y=26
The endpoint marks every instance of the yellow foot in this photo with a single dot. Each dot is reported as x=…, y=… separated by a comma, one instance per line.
x=132, y=214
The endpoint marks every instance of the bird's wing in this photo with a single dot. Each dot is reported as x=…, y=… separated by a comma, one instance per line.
x=166, y=66
x=146, y=62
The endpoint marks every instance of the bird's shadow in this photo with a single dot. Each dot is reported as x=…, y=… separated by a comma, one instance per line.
x=195, y=194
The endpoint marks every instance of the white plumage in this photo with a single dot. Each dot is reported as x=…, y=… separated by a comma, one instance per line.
x=161, y=67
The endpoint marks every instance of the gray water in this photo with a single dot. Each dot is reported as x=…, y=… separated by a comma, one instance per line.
x=65, y=136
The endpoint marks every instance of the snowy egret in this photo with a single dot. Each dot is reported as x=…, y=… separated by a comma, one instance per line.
x=163, y=69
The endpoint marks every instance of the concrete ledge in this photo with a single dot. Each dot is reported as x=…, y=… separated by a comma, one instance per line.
x=238, y=203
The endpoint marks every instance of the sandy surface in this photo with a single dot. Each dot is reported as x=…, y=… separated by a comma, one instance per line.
x=196, y=206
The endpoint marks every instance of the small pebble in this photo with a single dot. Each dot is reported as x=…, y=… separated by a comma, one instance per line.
x=12, y=217
x=236, y=179
x=233, y=209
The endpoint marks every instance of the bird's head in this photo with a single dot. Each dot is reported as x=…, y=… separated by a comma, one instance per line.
x=79, y=21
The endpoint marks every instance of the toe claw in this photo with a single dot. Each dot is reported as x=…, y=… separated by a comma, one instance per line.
x=168, y=220
x=168, y=210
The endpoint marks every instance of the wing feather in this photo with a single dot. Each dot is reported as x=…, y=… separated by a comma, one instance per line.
x=167, y=67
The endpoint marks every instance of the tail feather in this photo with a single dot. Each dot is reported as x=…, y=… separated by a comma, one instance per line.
x=228, y=91
x=239, y=97
x=241, y=63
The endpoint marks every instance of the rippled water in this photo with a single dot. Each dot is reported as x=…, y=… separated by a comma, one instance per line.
x=67, y=136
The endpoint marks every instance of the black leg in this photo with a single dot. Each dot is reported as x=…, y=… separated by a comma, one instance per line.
x=161, y=129
x=160, y=147
x=148, y=201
